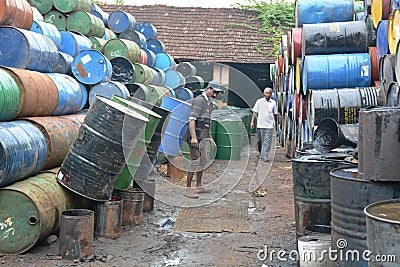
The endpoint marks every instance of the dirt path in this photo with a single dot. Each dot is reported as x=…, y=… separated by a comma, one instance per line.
x=270, y=218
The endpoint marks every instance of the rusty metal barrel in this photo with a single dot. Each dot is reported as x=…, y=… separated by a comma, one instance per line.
x=132, y=207
x=108, y=218
x=17, y=13
x=60, y=133
x=350, y=196
x=149, y=188
x=96, y=158
x=30, y=212
x=23, y=151
x=76, y=234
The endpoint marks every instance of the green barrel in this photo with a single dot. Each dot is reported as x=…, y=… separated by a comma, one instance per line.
x=30, y=212
x=69, y=6
x=145, y=93
x=97, y=43
x=246, y=114
x=122, y=48
x=10, y=97
x=143, y=73
x=56, y=18
x=43, y=6
x=161, y=91
x=124, y=179
x=229, y=137
x=85, y=23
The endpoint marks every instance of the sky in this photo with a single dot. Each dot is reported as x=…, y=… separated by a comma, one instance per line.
x=186, y=3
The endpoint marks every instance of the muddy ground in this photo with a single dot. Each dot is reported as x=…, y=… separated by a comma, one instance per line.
x=266, y=189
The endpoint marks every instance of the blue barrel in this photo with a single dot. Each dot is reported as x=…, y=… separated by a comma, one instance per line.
x=120, y=21
x=147, y=29
x=174, y=79
x=72, y=43
x=70, y=95
x=158, y=77
x=171, y=91
x=336, y=71
x=164, y=61
x=134, y=36
x=91, y=67
x=156, y=46
x=172, y=138
x=382, y=44
x=109, y=34
x=98, y=12
x=64, y=63
x=27, y=50
x=24, y=151
x=322, y=11
x=151, y=57
x=107, y=90
x=85, y=95
x=48, y=30
x=183, y=94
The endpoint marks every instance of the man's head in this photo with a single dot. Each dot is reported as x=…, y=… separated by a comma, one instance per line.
x=213, y=89
x=267, y=93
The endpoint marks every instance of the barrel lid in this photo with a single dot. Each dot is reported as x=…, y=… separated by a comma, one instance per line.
x=387, y=211
x=90, y=66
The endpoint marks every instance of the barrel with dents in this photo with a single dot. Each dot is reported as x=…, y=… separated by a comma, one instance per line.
x=145, y=93
x=107, y=90
x=48, y=30
x=156, y=46
x=30, y=212
x=120, y=21
x=72, y=43
x=147, y=29
x=99, y=153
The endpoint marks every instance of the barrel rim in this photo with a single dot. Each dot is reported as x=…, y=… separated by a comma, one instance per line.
x=368, y=214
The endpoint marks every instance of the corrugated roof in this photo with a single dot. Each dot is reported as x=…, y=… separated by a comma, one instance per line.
x=208, y=34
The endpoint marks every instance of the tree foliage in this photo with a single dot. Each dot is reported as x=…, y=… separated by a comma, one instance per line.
x=277, y=17
x=117, y=2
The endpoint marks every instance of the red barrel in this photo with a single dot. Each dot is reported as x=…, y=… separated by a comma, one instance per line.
x=17, y=13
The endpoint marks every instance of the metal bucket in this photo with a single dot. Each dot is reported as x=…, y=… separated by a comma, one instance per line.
x=133, y=162
x=174, y=79
x=76, y=234
x=71, y=6
x=149, y=188
x=173, y=135
x=85, y=23
x=10, y=96
x=380, y=144
x=163, y=61
x=334, y=38
x=134, y=36
x=383, y=222
x=313, y=250
x=382, y=45
x=314, y=11
x=349, y=198
x=122, y=48
x=56, y=18
x=156, y=46
x=120, y=21
x=72, y=43
x=16, y=13
x=123, y=70
x=312, y=190
x=132, y=207
x=60, y=133
x=30, y=212
x=48, y=30
x=108, y=218
x=107, y=90
x=147, y=29
x=99, y=153
x=70, y=94
x=91, y=67
x=27, y=50
x=322, y=71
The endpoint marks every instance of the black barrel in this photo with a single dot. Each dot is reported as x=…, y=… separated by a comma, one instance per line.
x=123, y=70
x=387, y=72
x=349, y=105
x=134, y=36
x=186, y=69
x=312, y=190
x=96, y=158
x=392, y=96
x=350, y=196
x=334, y=38
x=322, y=104
x=371, y=31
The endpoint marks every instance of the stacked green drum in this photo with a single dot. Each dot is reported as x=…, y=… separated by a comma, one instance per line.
x=10, y=96
x=229, y=137
x=85, y=23
x=125, y=178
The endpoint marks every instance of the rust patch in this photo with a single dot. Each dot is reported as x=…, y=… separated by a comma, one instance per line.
x=81, y=70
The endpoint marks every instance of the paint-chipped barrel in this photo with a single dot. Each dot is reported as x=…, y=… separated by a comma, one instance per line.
x=371, y=31
x=60, y=133
x=108, y=218
x=123, y=70
x=322, y=104
x=148, y=186
x=16, y=13
x=39, y=94
x=91, y=67
x=183, y=94
x=382, y=45
x=76, y=234
x=97, y=43
x=174, y=79
x=194, y=83
x=64, y=63
x=186, y=69
x=48, y=30
x=122, y=48
x=10, y=96
x=107, y=90
x=144, y=92
x=143, y=74
x=151, y=57
x=43, y=6
x=85, y=23
x=158, y=77
x=132, y=207
x=109, y=34
x=73, y=43
x=71, y=6
x=134, y=36
x=24, y=49
x=30, y=212
x=156, y=46
x=387, y=72
x=56, y=18
x=350, y=196
x=120, y=21
x=98, y=12
x=147, y=29
x=24, y=151
x=380, y=10
x=164, y=61
x=96, y=158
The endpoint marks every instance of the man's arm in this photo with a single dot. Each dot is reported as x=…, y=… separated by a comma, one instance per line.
x=192, y=129
x=252, y=119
